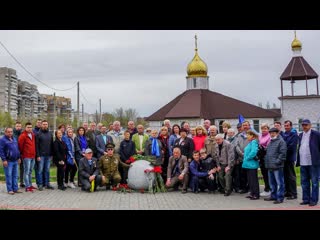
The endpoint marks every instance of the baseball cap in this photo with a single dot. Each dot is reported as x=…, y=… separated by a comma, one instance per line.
x=274, y=130
x=305, y=121
x=88, y=150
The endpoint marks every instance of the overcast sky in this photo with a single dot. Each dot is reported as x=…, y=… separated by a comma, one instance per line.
x=147, y=69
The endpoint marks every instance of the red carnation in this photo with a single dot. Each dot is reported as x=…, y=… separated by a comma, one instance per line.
x=157, y=169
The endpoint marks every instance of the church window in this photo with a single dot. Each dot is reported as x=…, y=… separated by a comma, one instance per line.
x=256, y=125
x=194, y=83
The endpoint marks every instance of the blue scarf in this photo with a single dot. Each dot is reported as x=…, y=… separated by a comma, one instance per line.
x=83, y=142
x=155, y=147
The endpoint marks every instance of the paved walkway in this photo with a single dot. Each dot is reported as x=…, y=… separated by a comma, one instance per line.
x=75, y=199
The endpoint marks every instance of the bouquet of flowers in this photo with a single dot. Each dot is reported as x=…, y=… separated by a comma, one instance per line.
x=122, y=188
x=137, y=157
x=158, y=184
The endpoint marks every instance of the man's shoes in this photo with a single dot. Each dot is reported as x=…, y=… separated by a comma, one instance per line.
x=292, y=197
x=40, y=188
x=278, y=202
x=227, y=194
x=18, y=191
x=249, y=196
x=50, y=187
x=184, y=191
x=311, y=204
x=196, y=192
x=22, y=185
x=270, y=199
x=304, y=203
x=11, y=192
x=62, y=187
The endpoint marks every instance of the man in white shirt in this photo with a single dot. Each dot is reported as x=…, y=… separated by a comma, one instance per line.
x=309, y=161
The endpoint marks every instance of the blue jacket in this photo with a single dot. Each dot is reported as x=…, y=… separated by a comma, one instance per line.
x=314, y=145
x=195, y=170
x=291, y=138
x=70, y=155
x=250, y=151
x=9, y=150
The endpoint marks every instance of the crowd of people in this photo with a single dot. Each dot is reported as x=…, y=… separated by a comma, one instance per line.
x=196, y=159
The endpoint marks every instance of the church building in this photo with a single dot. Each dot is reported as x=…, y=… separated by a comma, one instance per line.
x=199, y=103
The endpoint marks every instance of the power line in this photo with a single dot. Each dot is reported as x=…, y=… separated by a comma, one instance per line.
x=87, y=99
x=24, y=68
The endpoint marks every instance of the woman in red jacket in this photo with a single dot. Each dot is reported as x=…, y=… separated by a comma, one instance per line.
x=199, y=139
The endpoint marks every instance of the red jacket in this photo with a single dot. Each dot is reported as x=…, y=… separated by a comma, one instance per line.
x=199, y=142
x=27, y=146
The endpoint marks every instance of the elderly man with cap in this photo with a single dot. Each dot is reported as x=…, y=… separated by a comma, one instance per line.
x=89, y=171
x=308, y=159
x=109, y=166
x=274, y=159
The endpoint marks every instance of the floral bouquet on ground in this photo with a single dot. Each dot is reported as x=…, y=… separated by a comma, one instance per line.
x=156, y=184
x=122, y=188
x=137, y=157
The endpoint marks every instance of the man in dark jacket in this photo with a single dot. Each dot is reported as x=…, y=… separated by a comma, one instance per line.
x=101, y=141
x=309, y=160
x=37, y=127
x=44, y=151
x=197, y=173
x=10, y=155
x=89, y=171
x=127, y=150
x=206, y=164
x=16, y=134
x=274, y=161
x=291, y=138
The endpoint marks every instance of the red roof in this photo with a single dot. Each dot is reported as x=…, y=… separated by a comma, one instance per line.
x=298, y=69
x=205, y=104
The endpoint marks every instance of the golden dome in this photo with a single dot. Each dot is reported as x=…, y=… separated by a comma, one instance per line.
x=197, y=67
x=296, y=44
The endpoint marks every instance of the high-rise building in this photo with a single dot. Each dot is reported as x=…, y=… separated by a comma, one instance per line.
x=9, y=91
x=63, y=106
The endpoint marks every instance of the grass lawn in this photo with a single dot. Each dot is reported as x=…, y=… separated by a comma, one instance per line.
x=53, y=175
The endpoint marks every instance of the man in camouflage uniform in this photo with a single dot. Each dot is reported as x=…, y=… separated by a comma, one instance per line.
x=109, y=164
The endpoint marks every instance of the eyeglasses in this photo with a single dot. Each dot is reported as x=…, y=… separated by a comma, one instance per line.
x=109, y=149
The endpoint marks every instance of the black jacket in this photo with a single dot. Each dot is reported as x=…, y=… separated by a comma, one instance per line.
x=85, y=171
x=60, y=152
x=207, y=164
x=186, y=147
x=44, y=144
x=127, y=149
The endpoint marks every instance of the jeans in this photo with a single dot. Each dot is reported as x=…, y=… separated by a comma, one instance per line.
x=276, y=181
x=28, y=164
x=44, y=166
x=310, y=173
x=11, y=172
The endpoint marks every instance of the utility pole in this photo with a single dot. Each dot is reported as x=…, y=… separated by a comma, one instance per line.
x=100, y=110
x=78, y=105
x=54, y=112
x=82, y=113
